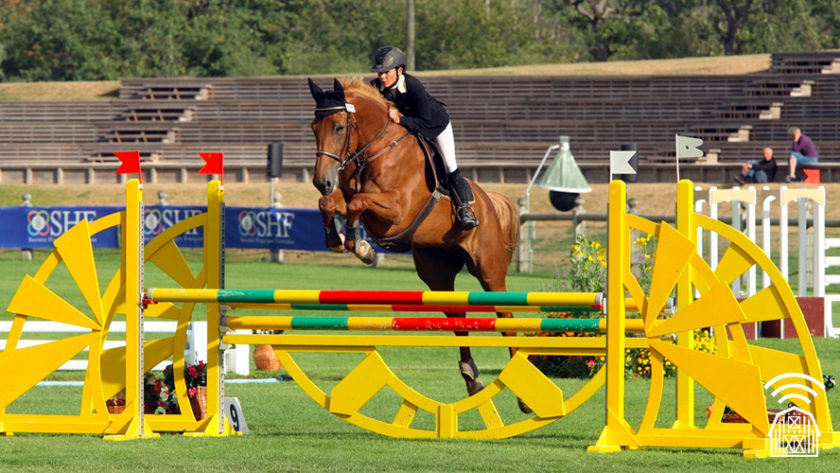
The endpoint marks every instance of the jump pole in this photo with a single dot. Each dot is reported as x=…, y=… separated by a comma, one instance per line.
x=423, y=324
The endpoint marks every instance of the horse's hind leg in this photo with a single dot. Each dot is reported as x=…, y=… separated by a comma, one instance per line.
x=437, y=267
x=491, y=274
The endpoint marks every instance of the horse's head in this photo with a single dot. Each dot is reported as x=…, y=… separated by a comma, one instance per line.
x=333, y=137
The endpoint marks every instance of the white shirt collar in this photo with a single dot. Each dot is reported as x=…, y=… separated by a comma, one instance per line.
x=400, y=85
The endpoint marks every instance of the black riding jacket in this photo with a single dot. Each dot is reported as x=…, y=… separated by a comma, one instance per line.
x=422, y=113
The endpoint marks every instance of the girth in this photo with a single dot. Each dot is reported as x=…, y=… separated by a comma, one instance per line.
x=401, y=242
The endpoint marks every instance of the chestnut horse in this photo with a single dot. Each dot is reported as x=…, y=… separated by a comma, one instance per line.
x=372, y=170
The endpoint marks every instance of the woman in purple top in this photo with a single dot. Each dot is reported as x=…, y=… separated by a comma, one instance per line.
x=802, y=152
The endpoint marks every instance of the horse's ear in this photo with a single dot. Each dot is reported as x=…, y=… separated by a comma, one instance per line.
x=316, y=91
x=338, y=89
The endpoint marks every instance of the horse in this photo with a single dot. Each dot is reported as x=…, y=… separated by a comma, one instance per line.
x=372, y=171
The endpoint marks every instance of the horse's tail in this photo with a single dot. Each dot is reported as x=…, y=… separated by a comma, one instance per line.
x=508, y=220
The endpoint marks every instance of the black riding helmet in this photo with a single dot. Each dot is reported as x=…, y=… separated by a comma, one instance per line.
x=387, y=58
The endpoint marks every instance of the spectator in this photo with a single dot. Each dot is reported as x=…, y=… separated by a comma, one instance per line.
x=802, y=152
x=759, y=171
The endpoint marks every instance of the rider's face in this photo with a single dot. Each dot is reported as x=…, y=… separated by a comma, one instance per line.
x=388, y=78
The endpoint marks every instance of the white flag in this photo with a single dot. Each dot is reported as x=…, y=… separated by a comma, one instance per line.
x=688, y=147
x=620, y=162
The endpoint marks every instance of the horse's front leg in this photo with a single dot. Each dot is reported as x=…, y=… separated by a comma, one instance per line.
x=332, y=206
x=385, y=205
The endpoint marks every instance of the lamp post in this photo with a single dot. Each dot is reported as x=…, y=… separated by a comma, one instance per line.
x=565, y=182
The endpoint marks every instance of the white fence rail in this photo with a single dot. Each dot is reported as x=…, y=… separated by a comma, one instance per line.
x=237, y=357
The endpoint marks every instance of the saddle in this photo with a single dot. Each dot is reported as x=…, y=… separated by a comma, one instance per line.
x=436, y=175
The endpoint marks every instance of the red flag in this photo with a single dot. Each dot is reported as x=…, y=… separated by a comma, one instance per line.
x=215, y=163
x=130, y=163
x=812, y=176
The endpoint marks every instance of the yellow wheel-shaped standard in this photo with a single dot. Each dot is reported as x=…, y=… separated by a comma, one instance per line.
x=42, y=297
x=736, y=373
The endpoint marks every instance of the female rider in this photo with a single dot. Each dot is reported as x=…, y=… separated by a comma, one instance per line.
x=423, y=115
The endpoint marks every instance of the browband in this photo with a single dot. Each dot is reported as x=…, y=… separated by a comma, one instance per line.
x=348, y=107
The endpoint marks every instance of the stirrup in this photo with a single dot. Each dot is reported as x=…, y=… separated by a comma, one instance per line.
x=466, y=217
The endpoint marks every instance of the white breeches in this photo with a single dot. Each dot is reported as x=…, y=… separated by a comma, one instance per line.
x=446, y=143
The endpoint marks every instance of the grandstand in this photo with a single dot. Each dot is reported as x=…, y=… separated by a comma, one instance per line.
x=503, y=125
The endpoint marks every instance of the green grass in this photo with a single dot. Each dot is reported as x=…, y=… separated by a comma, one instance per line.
x=290, y=433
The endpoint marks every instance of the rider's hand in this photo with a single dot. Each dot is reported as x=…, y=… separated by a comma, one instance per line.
x=394, y=114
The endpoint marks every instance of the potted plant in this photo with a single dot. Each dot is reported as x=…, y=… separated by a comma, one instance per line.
x=264, y=357
x=157, y=397
x=195, y=378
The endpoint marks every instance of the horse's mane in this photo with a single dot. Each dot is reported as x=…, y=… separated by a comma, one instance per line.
x=359, y=86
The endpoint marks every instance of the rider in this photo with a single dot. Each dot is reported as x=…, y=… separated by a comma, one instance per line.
x=423, y=114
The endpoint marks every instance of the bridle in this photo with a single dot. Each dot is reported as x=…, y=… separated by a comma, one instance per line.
x=346, y=157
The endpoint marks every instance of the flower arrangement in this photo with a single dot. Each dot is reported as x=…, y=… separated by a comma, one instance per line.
x=588, y=264
x=195, y=376
x=159, y=394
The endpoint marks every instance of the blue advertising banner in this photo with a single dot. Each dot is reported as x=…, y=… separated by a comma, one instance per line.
x=157, y=218
x=38, y=227
x=245, y=227
x=276, y=229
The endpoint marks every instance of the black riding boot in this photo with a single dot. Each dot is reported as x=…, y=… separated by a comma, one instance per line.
x=462, y=196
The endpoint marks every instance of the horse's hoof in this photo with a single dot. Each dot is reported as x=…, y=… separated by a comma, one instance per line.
x=336, y=244
x=468, y=370
x=365, y=252
x=474, y=387
x=523, y=407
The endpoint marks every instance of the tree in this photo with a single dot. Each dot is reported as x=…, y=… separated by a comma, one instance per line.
x=605, y=22
x=731, y=17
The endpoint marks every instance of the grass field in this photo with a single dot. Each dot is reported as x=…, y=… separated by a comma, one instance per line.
x=290, y=433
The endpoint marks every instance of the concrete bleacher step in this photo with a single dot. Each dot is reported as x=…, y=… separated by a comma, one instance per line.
x=833, y=68
x=781, y=86
x=166, y=89
x=157, y=113
x=802, y=62
x=773, y=112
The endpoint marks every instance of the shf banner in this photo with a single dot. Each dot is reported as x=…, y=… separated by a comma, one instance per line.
x=245, y=227
x=276, y=229
x=38, y=227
